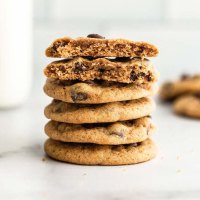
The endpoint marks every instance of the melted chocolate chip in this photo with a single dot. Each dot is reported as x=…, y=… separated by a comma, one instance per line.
x=95, y=36
x=62, y=68
x=133, y=76
x=101, y=70
x=79, y=68
x=78, y=96
x=148, y=77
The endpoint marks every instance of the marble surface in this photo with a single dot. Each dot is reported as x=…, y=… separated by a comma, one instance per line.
x=25, y=175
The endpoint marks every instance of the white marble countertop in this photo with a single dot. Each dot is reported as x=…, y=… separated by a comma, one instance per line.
x=174, y=174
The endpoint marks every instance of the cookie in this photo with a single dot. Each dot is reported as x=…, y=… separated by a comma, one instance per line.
x=94, y=154
x=125, y=132
x=186, y=85
x=98, y=113
x=123, y=70
x=95, y=92
x=96, y=46
x=188, y=105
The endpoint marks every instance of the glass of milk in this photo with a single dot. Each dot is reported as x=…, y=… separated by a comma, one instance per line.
x=15, y=52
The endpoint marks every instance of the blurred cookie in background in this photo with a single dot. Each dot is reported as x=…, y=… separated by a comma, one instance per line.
x=188, y=105
x=184, y=94
x=185, y=85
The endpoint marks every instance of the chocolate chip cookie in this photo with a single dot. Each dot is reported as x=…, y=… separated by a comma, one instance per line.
x=188, y=105
x=123, y=70
x=93, y=92
x=94, y=154
x=96, y=46
x=98, y=113
x=125, y=132
x=186, y=85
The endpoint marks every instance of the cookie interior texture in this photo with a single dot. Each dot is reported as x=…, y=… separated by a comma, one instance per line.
x=97, y=47
x=93, y=154
x=124, y=132
x=125, y=70
x=97, y=91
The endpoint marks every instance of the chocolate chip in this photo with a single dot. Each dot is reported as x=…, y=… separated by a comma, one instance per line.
x=185, y=76
x=122, y=59
x=63, y=43
x=149, y=78
x=79, y=68
x=133, y=76
x=101, y=70
x=62, y=68
x=95, y=36
x=52, y=70
x=78, y=96
x=120, y=134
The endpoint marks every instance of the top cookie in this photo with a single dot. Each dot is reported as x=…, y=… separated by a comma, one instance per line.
x=186, y=85
x=97, y=46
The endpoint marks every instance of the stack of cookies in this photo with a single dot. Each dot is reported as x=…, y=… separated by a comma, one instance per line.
x=184, y=94
x=100, y=113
